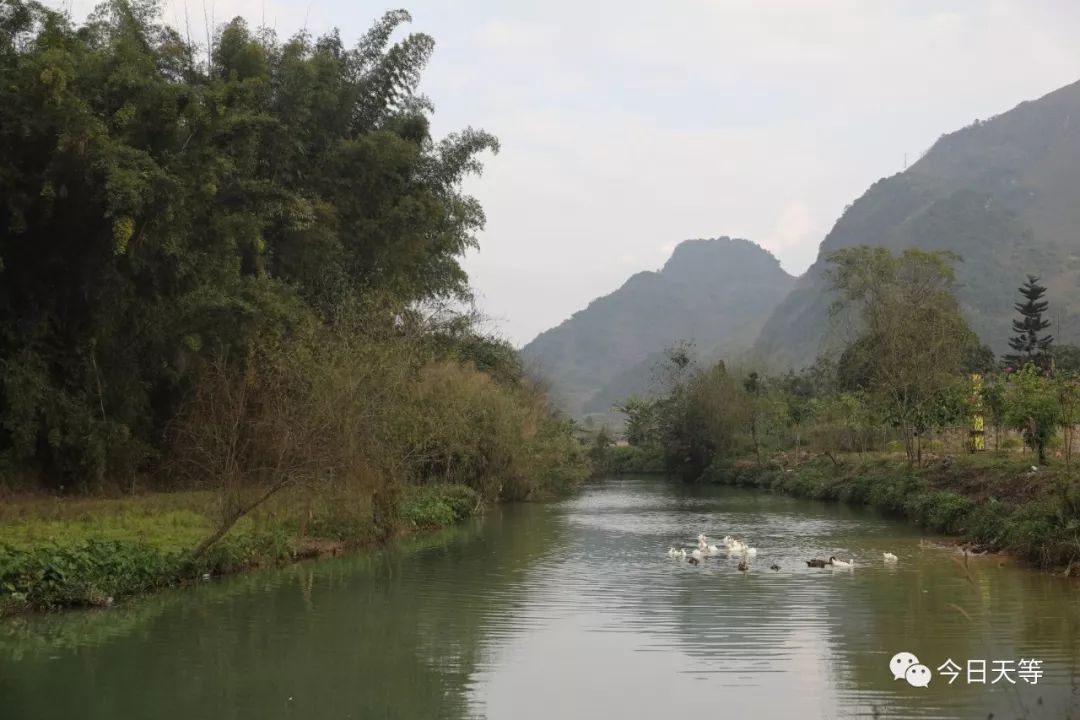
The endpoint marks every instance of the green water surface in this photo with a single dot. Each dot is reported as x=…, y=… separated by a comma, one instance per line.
x=572, y=609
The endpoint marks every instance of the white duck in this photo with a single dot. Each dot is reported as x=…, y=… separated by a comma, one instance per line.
x=889, y=557
x=705, y=547
x=676, y=553
x=697, y=554
x=841, y=564
x=737, y=547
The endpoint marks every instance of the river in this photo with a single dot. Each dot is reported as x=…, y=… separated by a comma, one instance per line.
x=572, y=609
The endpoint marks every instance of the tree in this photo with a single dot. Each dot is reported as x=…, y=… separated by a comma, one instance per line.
x=640, y=426
x=700, y=420
x=755, y=389
x=799, y=390
x=1033, y=406
x=1069, y=400
x=1066, y=358
x=160, y=212
x=1029, y=344
x=995, y=405
x=981, y=360
x=913, y=342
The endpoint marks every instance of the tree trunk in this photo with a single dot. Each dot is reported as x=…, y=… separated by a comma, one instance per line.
x=233, y=518
x=909, y=447
x=757, y=447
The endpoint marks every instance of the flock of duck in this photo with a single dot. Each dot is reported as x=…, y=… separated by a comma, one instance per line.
x=735, y=548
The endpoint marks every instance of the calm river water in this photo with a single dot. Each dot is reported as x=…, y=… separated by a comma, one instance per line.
x=573, y=610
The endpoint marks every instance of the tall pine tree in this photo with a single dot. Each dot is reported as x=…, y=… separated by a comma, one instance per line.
x=1029, y=344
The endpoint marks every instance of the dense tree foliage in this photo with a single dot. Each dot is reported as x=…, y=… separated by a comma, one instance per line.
x=217, y=259
x=913, y=343
x=1033, y=407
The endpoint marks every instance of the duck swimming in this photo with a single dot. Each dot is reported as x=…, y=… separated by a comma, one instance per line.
x=889, y=557
x=841, y=564
x=692, y=560
x=676, y=553
x=817, y=563
x=774, y=567
x=736, y=547
x=743, y=566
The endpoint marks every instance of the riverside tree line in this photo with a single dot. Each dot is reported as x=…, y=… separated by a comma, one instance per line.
x=905, y=375
x=236, y=267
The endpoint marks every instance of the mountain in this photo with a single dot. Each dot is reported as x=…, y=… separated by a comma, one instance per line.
x=1003, y=194
x=716, y=293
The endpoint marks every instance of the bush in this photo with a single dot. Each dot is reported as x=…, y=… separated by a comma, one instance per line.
x=630, y=460
x=436, y=506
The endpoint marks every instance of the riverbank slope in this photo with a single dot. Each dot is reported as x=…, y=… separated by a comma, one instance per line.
x=69, y=552
x=993, y=503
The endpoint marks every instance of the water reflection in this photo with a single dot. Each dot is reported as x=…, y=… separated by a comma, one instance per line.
x=571, y=609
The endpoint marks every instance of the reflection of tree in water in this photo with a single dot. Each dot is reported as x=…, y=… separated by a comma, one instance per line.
x=854, y=622
x=940, y=610
x=396, y=633
x=402, y=633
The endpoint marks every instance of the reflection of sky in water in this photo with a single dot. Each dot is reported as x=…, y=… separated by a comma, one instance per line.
x=569, y=610
x=625, y=631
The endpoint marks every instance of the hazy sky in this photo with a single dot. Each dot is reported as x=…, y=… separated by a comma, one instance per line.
x=627, y=127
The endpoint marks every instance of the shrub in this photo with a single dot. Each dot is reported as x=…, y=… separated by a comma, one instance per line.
x=438, y=505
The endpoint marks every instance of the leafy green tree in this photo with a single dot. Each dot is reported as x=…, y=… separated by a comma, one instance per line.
x=913, y=341
x=755, y=389
x=1033, y=406
x=981, y=360
x=1069, y=399
x=799, y=393
x=161, y=211
x=641, y=421
x=700, y=421
x=995, y=405
x=1030, y=345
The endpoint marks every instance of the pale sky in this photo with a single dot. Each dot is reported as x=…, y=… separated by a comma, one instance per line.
x=627, y=127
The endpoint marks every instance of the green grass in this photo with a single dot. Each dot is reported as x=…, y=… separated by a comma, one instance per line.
x=166, y=521
x=63, y=552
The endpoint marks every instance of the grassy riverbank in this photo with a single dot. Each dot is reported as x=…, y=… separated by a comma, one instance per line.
x=994, y=503
x=70, y=552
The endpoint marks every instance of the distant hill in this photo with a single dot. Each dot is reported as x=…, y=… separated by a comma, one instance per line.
x=1003, y=194
x=716, y=293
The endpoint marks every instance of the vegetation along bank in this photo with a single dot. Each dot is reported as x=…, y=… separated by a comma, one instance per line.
x=908, y=412
x=231, y=300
